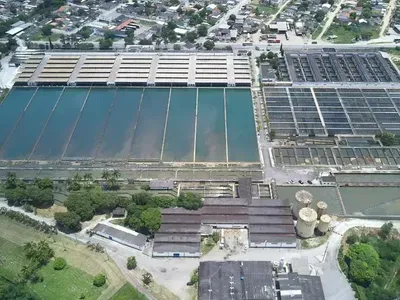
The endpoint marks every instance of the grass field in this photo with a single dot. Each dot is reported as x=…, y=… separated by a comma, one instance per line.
x=346, y=35
x=128, y=292
x=40, y=37
x=264, y=9
x=67, y=284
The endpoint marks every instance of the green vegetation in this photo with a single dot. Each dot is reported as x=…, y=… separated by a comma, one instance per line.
x=209, y=45
x=372, y=262
x=75, y=280
x=207, y=244
x=347, y=34
x=167, y=32
x=38, y=194
x=388, y=139
x=4, y=94
x=85, y=32
x=317, y=32
x=128, y=292
x=131, y=263
x=263, y=9
x=99, y=280
x=68, y=221
x=59, y=263
x=147, y=278
x=202, y=30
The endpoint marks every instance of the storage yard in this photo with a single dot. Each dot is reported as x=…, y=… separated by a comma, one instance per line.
x=136, y=124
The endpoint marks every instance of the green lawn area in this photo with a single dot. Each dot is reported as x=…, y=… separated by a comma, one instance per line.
x=317, y=32
x=11, y=259
x=40, y=37
x=264, y=9
x=346, y=34
x=69, y=283
x=206, y=245
x=128, y=292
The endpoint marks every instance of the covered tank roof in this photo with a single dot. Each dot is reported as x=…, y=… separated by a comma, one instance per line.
x=325, y=218
x=322, y=205
x=308, y=214
x=304, y=196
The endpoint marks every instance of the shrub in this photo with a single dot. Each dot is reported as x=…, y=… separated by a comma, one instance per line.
x=131, y=263
x=147, y=278
x=385, y=231
x=145, y=187
x=99, y=280
x=59, y=263
x=215, y=236
x=195, y=276
x=352, y=239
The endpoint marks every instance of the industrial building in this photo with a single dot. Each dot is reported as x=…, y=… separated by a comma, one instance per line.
x=269, y=224
x=121, y=235
x=135, y=69
x=255, y=280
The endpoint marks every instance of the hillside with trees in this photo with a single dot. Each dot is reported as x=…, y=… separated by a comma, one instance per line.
x=371, y=262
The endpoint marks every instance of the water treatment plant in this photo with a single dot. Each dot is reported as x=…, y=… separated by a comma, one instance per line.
x=278, y=164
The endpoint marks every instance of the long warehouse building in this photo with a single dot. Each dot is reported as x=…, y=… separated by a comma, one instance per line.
x=135, y=69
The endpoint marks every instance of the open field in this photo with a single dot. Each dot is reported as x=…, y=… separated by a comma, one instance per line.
x=70, y=283
x=346, y=35
x=128, y=292
x=264, y=9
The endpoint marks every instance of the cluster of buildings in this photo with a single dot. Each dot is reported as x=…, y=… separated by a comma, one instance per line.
x=352, y=12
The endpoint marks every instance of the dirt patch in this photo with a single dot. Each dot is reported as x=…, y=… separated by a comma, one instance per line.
x=49, y=212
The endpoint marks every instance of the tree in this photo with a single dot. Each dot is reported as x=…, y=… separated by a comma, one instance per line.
x=38, y=197
x=80, y=203
x=11, y=291
x=257, y=11
x=189, y=201
x=15, y=196
x=106, y=175
x=352, y=239
x=68, y=221
x=131, y=263
x=270, y=55
x=59, y=263
x=99, y=280
x=46, y=30
x=319, y=16
x=105, y=44
x=151, y=219
x=363, y=252
x=45, y=183
x=272, y=134
x=209, y=45
x=385, y=230
x=232, y=17
x=147, y=278
x=177, y=47
x=353, y=15
x=85, y=32
x=191, y=36
x=12, y=44
x=388, y=139
x=11, y=181
x=361, y=272
x=202, y=30
x=215, y=236
x=39, y=253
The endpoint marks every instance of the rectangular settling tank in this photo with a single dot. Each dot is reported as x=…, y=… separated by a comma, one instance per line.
x=117, y=140
x=210, y=134
x=149, y=132
x=242, y=140
x=54, y=139
x=12, y=108
x=179, y=139
x=28, y=130
x=91, y=124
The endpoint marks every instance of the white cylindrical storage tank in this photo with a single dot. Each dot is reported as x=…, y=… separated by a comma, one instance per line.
x=303, y=199
x=321, y=208
x=306, y=222
x=324, y=222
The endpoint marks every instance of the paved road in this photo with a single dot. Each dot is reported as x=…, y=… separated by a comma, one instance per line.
x=331, y=16
x=387, y=17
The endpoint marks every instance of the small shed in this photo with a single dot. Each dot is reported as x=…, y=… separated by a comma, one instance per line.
x=119, y=212
x=161, y=185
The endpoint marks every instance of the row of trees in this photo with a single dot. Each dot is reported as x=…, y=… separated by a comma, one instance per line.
x=38, y=194
x=24, y=219
x=77, y=181
x=371, y=263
